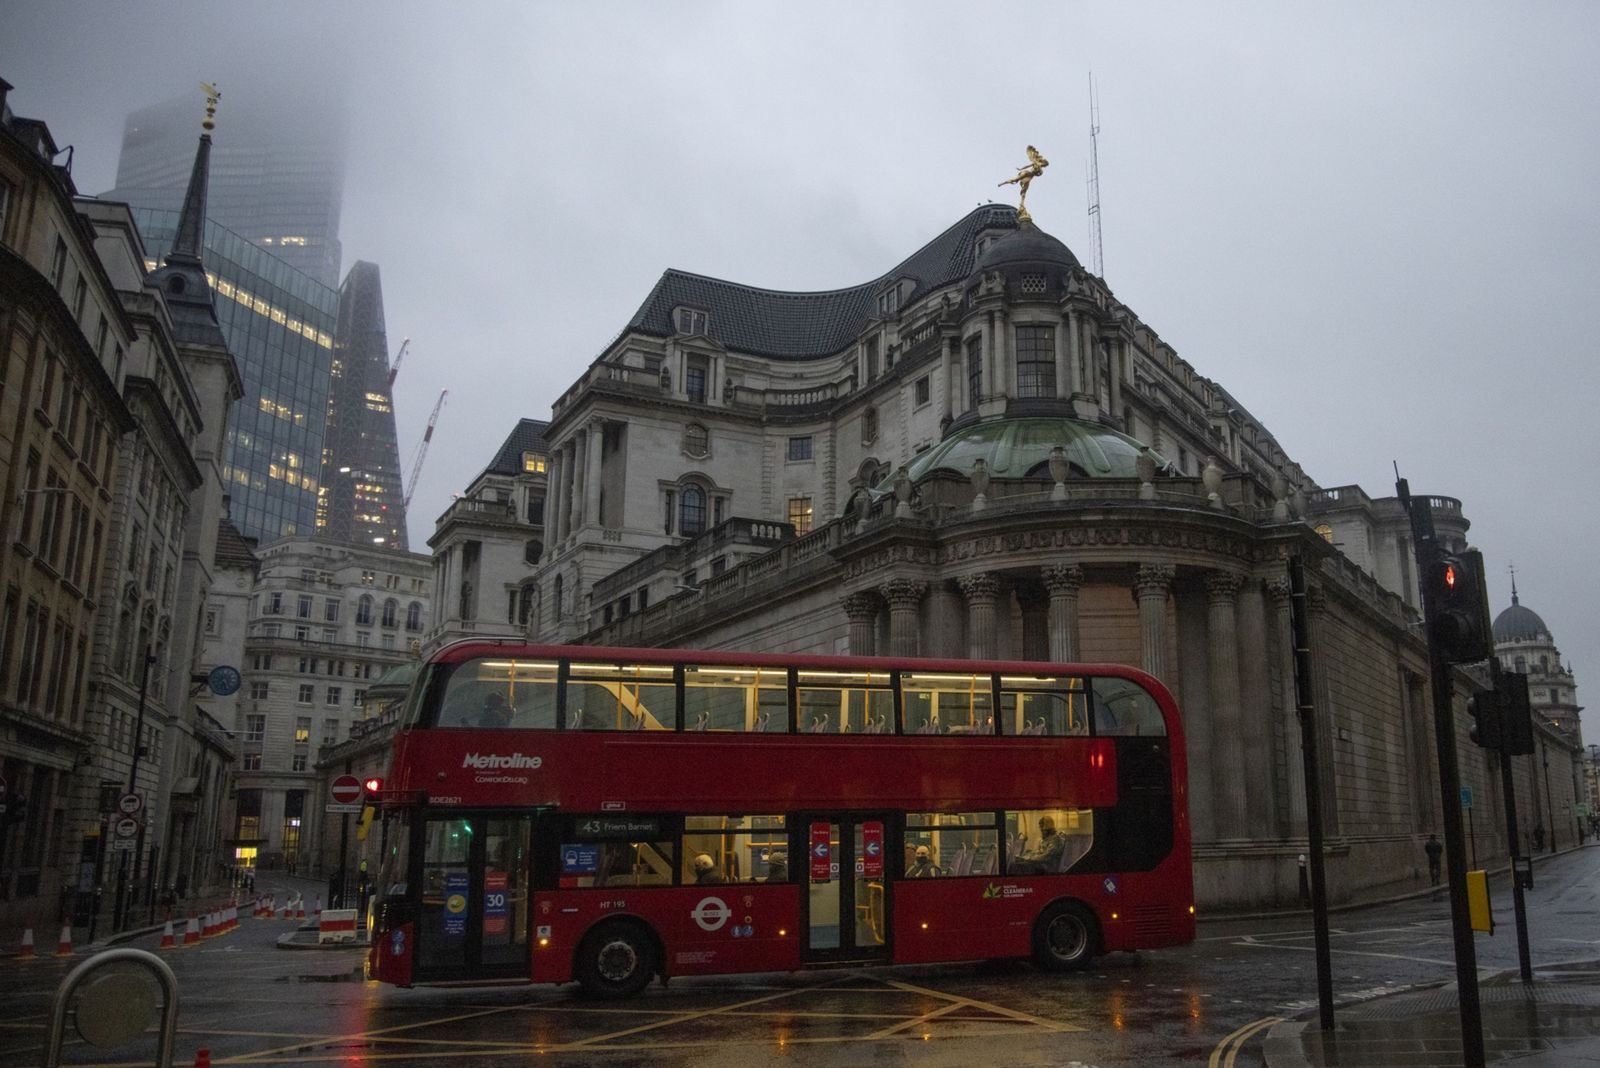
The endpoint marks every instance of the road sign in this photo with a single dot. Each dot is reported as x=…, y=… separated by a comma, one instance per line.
x=124, y=845
x=125, y=827
x=335, y=806
x=345, y=790
x=130, y=804
x=1466, y=798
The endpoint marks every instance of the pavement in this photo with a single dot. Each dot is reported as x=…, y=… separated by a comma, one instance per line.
x=1553, y=1020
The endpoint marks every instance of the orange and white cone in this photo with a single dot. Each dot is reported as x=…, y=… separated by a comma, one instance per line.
x=317, y=914
x=64, y=943
x=25, y=951
x=288, y=909
x=168, y=941
x=191, y=933
x=300, y=907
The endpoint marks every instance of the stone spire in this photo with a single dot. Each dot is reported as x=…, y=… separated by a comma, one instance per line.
x=182, y=278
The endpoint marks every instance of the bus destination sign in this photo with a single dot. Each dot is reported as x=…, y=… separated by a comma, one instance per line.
x=619, y=826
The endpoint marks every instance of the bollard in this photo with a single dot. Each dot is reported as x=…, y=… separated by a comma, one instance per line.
x=25, y=951
x=101, y=1014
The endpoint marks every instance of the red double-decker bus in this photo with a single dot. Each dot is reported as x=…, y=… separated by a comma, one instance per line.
x=558, y=813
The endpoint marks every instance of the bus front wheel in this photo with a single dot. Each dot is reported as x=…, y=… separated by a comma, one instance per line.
x=616, y=960
x=1065, y=938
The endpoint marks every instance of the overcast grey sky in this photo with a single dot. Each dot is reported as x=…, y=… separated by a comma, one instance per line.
x=1375, y=224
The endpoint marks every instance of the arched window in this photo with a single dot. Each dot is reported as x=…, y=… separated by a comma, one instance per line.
x=692, y=511
x=414, y=616
x=391, y=611
x=557, y=596
x=364, y=611
x=869, y=426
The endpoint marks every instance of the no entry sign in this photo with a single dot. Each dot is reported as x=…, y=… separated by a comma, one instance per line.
x=346, y=790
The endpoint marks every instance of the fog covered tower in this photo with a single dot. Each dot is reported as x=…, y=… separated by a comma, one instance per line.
x=360, y=499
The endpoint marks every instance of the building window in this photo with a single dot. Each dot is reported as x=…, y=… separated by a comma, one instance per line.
x=296, y=763
x=974, y=371
x=921, y=391
x=671, y=511
x=330, y=732
x=303, y=606
x=259, y=691
x=536, y=510
x=307, y=693
x=691, y=321
x=694, y=379
x=692, y=511
x=869, y=426
x=696, y=440
x=391, y=612
x=870, y=347
x=533, y=463
x=364, y=611
x=525, y=604
x=335, y=695
x=368, y=577
x=255, y=728
x=889, y=300
x=1036, y=361
x=58, y=266
x=330, y=611
x=414, y=616
x=249, y=762
x=302, y=730
x=800, y=514
x=800, y=448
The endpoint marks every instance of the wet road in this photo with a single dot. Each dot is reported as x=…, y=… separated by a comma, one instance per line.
x=250, y=1003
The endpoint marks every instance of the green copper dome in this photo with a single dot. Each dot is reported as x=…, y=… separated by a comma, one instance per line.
x=1016, y=448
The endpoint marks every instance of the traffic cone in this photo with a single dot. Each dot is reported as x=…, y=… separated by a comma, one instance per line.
x=168, y=941
x=317, y=915
x=210, y=928
x=64, y=944
x=233, y=917
x=300, y=907
x=288, y=908
x=202, y=1058
x=191, y=933
x=25, y=951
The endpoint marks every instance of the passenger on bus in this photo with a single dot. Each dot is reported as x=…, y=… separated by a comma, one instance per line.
x=706, y=870
x=778, y=866
x=923, y=867
x=496, y=714
x=1045, y=858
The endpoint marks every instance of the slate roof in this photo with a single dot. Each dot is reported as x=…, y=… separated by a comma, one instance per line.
x=234, y=550
x=796, y=326
x=528, y=436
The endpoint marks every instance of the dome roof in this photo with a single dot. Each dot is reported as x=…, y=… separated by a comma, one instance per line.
x=1011, y=448
x=1026, y=245
x=1519, y=624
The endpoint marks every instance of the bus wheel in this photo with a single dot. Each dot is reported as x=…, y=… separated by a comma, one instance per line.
x=616, y=960
x=1064, y=938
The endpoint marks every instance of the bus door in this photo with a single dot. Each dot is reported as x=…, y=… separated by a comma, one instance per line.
x=473, y=922
x=847, y=900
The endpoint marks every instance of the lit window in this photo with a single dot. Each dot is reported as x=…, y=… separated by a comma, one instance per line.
x=533, y=463
x=800, y=514
x=302, y=730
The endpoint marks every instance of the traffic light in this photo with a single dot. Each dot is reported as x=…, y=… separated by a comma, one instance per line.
x=1458, y=608
x=1484, y=708
x=373, y=786
x=1516, y=717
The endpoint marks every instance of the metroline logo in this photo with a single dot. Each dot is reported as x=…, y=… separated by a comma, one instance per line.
x=496, y=761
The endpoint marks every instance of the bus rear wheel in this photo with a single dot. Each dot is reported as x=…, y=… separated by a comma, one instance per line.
x=616, y=960
x=1065, y=938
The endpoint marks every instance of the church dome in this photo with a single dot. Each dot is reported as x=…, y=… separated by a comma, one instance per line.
x=1519, y=623
x=1020, y=447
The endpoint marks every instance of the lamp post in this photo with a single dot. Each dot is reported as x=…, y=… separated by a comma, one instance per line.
x=121, y=910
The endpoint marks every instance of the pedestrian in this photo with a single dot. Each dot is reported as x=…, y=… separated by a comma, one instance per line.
x=1435, y=851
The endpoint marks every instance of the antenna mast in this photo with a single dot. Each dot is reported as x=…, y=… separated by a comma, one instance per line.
x=1099, y=263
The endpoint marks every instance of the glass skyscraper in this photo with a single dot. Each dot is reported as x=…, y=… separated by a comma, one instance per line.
x=280, y=325
x=277, y=172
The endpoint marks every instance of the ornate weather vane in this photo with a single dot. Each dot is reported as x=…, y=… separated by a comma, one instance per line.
x=1025, y=176
x=212, y=96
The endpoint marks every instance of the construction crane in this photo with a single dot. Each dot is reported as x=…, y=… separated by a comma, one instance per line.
x=422, y=448
x=394, y=368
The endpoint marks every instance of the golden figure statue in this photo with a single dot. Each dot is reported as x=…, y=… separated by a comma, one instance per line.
x=1035, y=167
x=212, y=96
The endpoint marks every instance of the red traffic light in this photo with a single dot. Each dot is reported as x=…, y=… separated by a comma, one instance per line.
x=373, y=785
x=1450, y=576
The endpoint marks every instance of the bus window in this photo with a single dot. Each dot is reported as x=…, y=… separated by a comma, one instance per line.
x=956, y=843
x=735, y=699
x=1047, y=841
x=844, y=702
x=592, y=863
x=741, y=849
x=500, y=693
x=621, y=697
x=947, y=704
x=1124, y=708
x=1057, y=707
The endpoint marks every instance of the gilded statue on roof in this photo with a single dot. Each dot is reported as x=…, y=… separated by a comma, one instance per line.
x=1035, y=167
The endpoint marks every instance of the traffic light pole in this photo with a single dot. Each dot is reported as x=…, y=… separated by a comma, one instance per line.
x=1305, y=710
x=1426, y=548
x=1509, y=790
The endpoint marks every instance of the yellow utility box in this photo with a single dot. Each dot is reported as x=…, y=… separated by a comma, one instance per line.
x=1479, y=911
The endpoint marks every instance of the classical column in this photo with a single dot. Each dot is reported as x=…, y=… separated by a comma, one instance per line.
x=591, y=481
x=1288, y=715
x=952, y=346
x=1228, y=768
x=1064, y=581
x=580, y=477
x=861, y=609
x=991, y=356
x=1151, y=586
x=1034, y=608
x=1074, y=377
x=981, y=592
x=552, y=505
x=1255, y=704
x=905, y=598
x=1063, y=332
x=1119, y=349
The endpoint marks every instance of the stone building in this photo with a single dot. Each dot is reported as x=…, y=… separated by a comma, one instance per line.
x=326, y=619
x=1557, y=766
x=983, y=452
x=64, y=342
x=487, y=545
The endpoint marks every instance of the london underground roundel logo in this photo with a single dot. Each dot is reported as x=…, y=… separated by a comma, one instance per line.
x=711, y=914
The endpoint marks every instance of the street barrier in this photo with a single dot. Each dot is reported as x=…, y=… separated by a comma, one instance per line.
x=337, y=925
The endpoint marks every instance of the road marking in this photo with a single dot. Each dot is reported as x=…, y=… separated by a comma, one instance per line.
x=1349, y=952
x=688, y=1017
x=904, y=1025
x=1237, y=1040
x=986, y=1006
